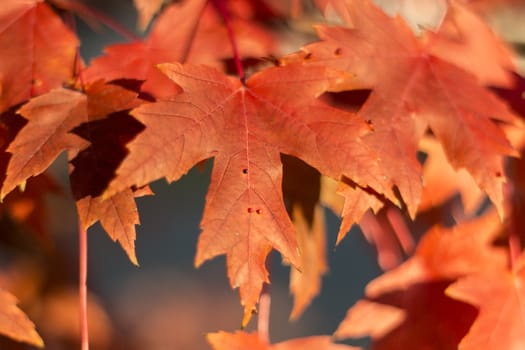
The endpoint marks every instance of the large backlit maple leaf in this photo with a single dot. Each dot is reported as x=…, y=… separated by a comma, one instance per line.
x=414, y=86
x=245, y=128
x=39, y=51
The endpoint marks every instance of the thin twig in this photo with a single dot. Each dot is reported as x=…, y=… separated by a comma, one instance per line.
x=263, y=314
x=265, y=300
x=83, y=248
x=221, y=7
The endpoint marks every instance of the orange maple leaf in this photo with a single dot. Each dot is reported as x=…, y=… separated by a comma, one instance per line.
x=14, y=322
x=93, y=168
x=500, y=297
x=245, y=128
x=41, y=51
x=419, y=317
x=465, y=39
x=51, y=117
x=252, y=341
x=398, y=296
x=49, y=132
x=412, y=90
x=200, y=37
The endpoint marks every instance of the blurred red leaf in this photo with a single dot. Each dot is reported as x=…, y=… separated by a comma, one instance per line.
x=42, y=51
x=242, y=341
x=418, y=317
x=391, y=313
x=500, y=297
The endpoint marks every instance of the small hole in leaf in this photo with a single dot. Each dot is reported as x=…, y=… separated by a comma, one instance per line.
x=245, y=171
x=258, y=211
x=338, y=51
x=308, y=56
x=250, y=210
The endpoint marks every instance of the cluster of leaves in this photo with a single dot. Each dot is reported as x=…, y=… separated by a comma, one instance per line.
x=380, y=123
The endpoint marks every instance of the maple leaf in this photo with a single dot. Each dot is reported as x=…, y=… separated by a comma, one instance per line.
x=465, y=39
x=14, y=322
x=398, y=296
x=419, y=317
x=499, y=295
x=93, y=168
x=26, y=207
x=252, y=341
x=415, y=90
x=42, y=51
x=200, y=38
x=137, y=60
x=49, y=131
x=50, y=118
x=245, y=128
x=108, y=130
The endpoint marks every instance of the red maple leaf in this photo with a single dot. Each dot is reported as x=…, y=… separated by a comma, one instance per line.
x=416, y=89
x=397, y=297
x=419, y=317
x=245, y=128
x=41, y=51
x=500, y=297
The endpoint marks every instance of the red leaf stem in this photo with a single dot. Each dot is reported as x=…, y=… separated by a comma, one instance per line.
x=220, y=6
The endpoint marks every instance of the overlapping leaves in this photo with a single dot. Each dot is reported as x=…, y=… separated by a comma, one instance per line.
x=421, y=89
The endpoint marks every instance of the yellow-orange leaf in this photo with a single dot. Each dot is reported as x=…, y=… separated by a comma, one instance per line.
x=50, y=117
x=14, y=322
